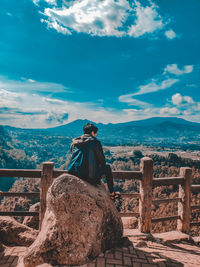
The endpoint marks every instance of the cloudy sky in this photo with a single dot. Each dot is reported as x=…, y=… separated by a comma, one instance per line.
x=104, y=60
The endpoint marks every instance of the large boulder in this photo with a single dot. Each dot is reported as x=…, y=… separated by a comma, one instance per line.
x=80, y=222
x=33, y=221
x=15, y=233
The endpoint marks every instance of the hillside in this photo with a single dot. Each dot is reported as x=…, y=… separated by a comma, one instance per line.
x=163, y=131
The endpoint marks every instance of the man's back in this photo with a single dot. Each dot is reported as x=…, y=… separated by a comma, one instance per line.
x=87, y=158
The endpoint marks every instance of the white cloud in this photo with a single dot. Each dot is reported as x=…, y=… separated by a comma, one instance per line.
x=178, y=99
x=131, y=101
x=173, y=69
x=151, y=87
x=155, y=86
x=51, y=2
x=31, y=81
x=170, y=111
x=170, y=34
x=8, y=99
x=148, y=20
x=30, y=85
x=103, y=17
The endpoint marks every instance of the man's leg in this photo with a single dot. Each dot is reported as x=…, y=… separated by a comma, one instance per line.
x=109, y=178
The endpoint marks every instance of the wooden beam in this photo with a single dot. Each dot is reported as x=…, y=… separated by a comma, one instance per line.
x=19, y=213
x=184, y=206
x=116, y=174
x=22, y=194
x=57, y=173
x=20, y=173
x=168, y=200
x=127, y=175
x=145, y=202
x=167, y=181
x=170, y=218
x=195, y=188
x=46, y=182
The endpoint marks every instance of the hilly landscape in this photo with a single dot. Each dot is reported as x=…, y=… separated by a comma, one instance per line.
x=171, y=143
x=167, y=131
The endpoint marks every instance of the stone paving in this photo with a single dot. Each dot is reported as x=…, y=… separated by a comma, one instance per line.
x=161, y=250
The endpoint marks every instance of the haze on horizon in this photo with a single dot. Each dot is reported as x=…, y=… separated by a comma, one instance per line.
x=107, y=61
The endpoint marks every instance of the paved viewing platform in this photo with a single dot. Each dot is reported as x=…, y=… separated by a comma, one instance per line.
x=170, y=249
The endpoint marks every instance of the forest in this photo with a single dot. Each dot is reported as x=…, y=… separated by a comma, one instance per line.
x=28, y=152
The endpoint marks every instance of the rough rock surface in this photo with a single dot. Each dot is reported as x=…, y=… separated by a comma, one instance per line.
x=15, y=233
x=33, y=221
x=80, y=222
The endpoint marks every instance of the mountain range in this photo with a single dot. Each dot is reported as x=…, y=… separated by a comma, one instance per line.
x=154, y=130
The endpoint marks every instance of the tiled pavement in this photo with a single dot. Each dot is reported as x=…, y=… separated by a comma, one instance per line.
x=151, y=252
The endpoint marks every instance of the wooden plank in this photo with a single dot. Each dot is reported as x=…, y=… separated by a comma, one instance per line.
x=168, y=200
x=195, y=207
x=20, y=173
x=131, y=195
x=46, y=182
x=170, y=218
x=167, y=181
x=18, y=194
x=57, y=173
x=194, y=223
x=184, y=206
x=195, y=188
x=19, y=213
x=127, y=175
x=145, y=203
x=131, y=214
x=37, y=173
x=116, y=174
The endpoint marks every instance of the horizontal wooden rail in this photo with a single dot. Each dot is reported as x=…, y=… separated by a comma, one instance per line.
x=167, y=181
x=195, y=188
x=37, y=173
x=116, y=174
x=168, y=200
x=20, y=173
x=37, y=194
x=57, y=173
x=194, y=223
x=131, y=214
x=130, y=195
x=19, y=213
x=170, y=218
x=195, y=207
x=22, y=194
x=137, y=175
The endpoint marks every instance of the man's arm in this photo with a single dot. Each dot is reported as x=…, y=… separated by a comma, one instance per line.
x=99, y=153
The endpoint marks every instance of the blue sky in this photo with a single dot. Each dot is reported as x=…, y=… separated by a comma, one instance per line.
x=104, y=60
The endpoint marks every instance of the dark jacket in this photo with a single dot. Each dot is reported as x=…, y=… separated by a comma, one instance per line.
x=88, y=161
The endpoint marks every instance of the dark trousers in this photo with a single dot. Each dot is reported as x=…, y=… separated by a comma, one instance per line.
x=107, y=173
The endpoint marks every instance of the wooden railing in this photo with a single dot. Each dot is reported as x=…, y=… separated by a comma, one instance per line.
x=147, y=183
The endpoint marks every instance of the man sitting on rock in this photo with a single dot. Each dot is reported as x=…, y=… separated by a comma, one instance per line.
x=88, y=161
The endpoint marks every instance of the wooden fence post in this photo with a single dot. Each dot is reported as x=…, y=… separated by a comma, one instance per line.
x=46, y=181
x=145, y=202
x=184, y=205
